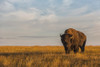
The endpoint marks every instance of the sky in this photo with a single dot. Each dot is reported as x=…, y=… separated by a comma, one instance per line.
x=40, y=22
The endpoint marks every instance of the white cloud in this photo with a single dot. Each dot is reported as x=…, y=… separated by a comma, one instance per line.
x=33, y=22
x=48, y=19
x=18, y=22
x=6, y=6
x=33, y=13
x=78, y=11
x=60, y=8
x=19, y=1
x=67, y=2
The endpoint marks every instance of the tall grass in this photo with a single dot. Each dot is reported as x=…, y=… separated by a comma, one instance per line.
x=48, y=56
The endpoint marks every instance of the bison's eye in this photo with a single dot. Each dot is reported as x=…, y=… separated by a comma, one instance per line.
x=71, y=40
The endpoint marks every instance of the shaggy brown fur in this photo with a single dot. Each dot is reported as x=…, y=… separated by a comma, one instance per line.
x=72, y=40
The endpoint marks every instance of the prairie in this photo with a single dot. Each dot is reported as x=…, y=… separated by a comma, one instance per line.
x=48, y=56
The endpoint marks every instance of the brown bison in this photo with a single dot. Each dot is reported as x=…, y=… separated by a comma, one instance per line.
x=72, y=40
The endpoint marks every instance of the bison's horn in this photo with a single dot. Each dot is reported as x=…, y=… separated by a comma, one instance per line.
x=60, y=35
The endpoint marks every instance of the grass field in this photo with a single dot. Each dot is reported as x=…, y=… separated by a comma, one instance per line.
x=48, y=56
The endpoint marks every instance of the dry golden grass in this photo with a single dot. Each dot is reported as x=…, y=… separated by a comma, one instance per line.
x=48, y=56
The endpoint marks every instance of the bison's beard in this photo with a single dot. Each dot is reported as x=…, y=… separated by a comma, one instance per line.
x=67, y=50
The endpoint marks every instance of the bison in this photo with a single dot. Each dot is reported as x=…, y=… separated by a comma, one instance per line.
x=73, y=40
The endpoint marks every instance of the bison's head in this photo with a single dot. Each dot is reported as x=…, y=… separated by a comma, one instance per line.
x=67, y=40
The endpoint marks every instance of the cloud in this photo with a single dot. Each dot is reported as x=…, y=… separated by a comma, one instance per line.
x=67, y=2
x=6, y=6
x=20, y=1
x=48, y=19
x=35, y=23
x=21, y=15
x=18, y=22
x=78, y=11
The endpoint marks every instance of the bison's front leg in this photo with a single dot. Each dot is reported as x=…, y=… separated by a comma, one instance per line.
x=68, y=51
x=76, y=49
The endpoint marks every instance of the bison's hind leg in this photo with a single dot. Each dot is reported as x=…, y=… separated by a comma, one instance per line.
x=83, y=47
